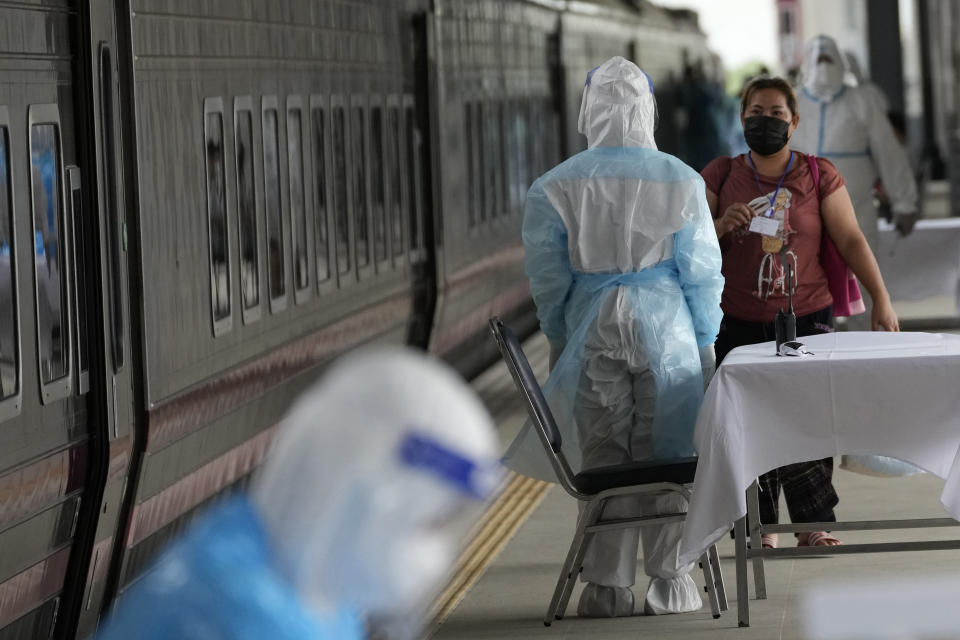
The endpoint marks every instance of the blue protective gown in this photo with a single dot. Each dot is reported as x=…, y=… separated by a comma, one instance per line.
x=620, y=243
x=218, y=582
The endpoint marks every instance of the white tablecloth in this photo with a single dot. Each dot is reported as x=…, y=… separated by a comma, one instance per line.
x=896, y=394
x=925, y=264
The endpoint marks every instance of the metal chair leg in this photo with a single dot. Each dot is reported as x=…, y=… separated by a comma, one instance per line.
x=756, y=541
x=718, y=577
x=592, y=514
x=709, y=584
x=743, y=588
x=564, y=579
x=570, y=569
x=574, y=574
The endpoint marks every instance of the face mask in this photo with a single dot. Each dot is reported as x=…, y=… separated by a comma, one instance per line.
x=826, y=80
x=830, y=75
x=765, y=134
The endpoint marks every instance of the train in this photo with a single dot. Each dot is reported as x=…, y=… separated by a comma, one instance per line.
x=204, y=203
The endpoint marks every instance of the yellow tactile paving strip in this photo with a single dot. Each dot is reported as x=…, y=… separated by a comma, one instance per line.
x=519, y=497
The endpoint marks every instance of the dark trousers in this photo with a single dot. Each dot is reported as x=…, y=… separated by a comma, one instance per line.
x=807, y=486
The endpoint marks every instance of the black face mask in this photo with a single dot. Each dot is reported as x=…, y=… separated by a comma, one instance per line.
x=765, y=134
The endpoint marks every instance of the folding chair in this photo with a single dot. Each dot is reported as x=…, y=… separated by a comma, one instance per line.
x=594, y=487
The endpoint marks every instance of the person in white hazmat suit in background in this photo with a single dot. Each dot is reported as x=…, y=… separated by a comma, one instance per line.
x=624, y=269
x=848, y=125
x=355, y=518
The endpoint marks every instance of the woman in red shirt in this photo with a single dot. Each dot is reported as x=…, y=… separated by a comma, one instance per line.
x=775, y=183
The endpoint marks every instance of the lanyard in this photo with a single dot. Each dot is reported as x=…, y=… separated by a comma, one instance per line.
x=756, y=176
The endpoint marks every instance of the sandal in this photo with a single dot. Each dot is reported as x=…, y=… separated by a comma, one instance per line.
x=819, y=539
x=768, y=540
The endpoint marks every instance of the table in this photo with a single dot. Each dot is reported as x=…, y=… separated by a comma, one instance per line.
x=892, y=394
x=925, y=264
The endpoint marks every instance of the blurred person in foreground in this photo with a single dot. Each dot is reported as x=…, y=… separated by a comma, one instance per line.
x=848, y=125
x=624, y=268
x=776, y=185
x=355, y=517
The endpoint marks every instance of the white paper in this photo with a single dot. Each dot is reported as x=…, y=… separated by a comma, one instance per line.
x=765, y=226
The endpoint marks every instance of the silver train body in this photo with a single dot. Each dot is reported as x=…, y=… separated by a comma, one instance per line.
x=204, y=203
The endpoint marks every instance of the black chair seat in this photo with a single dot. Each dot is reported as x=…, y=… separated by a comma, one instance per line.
x=678, y=470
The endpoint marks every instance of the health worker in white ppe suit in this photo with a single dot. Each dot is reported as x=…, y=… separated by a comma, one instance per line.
x=848, y=125
x=353, y=522
x=624, y=269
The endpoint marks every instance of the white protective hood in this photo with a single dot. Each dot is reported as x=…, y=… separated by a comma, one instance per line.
x=618, y=107
x=374, y=478
x=823, y=80
x=856, y=78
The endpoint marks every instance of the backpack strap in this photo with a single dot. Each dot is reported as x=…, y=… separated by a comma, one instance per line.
x=815, y=170
x=726, y=174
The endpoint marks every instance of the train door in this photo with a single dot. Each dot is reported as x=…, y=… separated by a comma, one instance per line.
x=417, y=122
x=100, y=523
x=51, y=424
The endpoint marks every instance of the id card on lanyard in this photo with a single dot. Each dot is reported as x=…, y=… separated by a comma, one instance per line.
x=765, y=224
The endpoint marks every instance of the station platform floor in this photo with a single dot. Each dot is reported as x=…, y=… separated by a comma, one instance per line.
x=509, y=585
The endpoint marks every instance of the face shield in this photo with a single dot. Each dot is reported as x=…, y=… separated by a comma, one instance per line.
x=444, y=492
x=618, y=108
x=374, y=481
x=822, y=68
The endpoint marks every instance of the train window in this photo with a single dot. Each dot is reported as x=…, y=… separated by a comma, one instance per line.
x=377, y=202
x=358, y=134
x=217, y=220
x=298, y=214
x=276, y=283
x=520, y=136
x=494, y=160
x=341, y=206
x=75, y=225
x=507, y=160
x=53, y=334
x=413, y=179
x=470, y=149
x=394, y=182
x=247, y=208
x=480, y=194
x=548, y=125
x=318, y=115
x=116, y=226
x=509, y=157
x=9, y=345
x=536, y=143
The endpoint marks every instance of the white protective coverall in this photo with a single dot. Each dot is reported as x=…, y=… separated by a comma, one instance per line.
x=848, y=126
x=624, y=268
x=354, y=520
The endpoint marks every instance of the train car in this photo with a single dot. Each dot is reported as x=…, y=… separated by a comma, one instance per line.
x=202, y=204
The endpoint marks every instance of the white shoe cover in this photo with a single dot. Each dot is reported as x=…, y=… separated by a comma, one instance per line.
x=599, y=601
x=672, y=595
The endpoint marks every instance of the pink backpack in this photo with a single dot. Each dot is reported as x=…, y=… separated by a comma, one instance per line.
x=847, y=299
